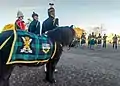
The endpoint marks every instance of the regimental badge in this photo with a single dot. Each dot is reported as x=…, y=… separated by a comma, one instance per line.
x=26, y=47
x=45, y=47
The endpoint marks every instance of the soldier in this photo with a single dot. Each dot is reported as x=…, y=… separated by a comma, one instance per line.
x=92, y=41
x=95, y=39
x=115, y=38
x=19, y=23
x=83, y=39
x=89, y=38
x=50, y=23
x=99, y=41
x=104, y=41
x=34, y=26
x=78, y=42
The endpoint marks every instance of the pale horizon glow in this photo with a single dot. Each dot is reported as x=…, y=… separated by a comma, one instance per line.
x=82, y=13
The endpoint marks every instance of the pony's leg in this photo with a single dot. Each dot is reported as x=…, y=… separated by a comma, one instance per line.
x=1, y=83
x=52, y=64
x=5, y=75
x=1, y=80
x=45, y=69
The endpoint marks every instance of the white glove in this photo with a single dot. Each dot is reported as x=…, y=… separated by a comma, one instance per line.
x=46, y=32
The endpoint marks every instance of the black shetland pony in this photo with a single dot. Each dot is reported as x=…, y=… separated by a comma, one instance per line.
x=63, y=36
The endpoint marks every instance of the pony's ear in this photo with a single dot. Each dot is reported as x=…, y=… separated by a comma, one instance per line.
x=72, y=26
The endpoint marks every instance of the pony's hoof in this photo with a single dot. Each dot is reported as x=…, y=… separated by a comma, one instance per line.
x=56, y=70
x=45, y=71
x=44, y=80
x=52, y=81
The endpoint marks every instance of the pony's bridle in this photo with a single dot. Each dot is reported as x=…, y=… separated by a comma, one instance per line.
x=68, y=46
x=71, y=43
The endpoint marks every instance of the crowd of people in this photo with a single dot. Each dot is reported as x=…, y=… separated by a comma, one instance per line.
x=99, y=41
x=34, y=27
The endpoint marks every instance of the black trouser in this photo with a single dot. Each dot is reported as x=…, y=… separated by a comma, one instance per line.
x=88, y=43
x=115, y=45
x=104, y=44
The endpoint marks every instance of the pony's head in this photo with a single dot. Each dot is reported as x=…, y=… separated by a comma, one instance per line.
x=64, y=35
x=78, y=32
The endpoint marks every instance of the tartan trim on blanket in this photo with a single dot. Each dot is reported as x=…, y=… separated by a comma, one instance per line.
x=38, y=49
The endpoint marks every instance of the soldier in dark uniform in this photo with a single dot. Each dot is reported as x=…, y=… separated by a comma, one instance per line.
x=115, y=38
x=95, y=39
x=83, y=39
x=92, y=41
x=34, y=26
x=89, y=38
x=99, y=40
x=50, y=23
x=104, y=41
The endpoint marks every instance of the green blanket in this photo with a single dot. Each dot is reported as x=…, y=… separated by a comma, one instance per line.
x=30, y=48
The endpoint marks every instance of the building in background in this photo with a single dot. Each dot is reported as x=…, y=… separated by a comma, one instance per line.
x=97, y=29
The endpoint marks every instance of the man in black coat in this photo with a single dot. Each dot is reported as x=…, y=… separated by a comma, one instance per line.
x=51, y=22
x=34, y=26
x=115, y=41
x=104, y=41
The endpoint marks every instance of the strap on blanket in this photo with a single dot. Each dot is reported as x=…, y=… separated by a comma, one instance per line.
x=3, y=44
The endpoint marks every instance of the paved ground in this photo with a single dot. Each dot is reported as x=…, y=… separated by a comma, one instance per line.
x=77, y=67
